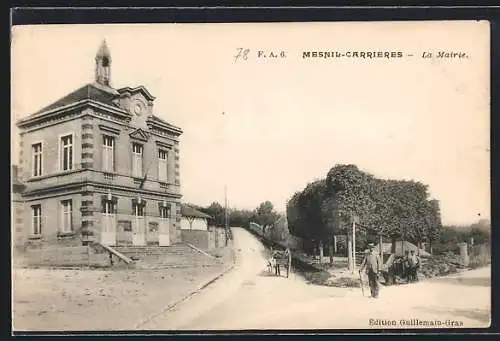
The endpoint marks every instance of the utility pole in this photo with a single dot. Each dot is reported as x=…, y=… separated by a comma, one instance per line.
x=350, y=262
x=381, y=249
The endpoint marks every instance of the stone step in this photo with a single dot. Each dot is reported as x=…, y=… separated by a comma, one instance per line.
x=164, y=257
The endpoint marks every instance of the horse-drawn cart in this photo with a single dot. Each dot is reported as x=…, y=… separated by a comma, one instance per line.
x=282, y=259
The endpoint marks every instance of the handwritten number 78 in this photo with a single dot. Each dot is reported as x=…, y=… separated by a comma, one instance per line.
x=241, y=53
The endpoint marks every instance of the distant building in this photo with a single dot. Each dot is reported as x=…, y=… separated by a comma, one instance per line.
x=197, y=229
x=192, y=219
x=99, y=166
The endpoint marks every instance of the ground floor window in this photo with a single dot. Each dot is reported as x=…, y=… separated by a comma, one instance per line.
x=36, y=213
x=66, y=216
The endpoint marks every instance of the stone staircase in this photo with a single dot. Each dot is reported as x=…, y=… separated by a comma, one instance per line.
x=162, y=257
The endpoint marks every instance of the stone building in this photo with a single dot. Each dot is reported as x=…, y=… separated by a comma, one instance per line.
x=17, y=208
x=99, y=166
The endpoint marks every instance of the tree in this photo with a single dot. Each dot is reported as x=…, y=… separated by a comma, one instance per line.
x=398, y=208
x=266, y=215
x=217, y=212
x=293, y=215
x=241, y=217
x=279, y=231
x=481, y=232
x=433, y=222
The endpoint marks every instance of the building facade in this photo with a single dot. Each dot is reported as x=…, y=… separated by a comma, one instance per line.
x=97, y=165
x=17, y=208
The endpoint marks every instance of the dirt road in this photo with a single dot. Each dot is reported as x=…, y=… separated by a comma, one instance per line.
x=249, y=298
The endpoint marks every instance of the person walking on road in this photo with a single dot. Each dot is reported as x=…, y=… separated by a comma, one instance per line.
x=372, y=264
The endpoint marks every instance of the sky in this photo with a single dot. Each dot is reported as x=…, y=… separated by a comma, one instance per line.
x=287, y=121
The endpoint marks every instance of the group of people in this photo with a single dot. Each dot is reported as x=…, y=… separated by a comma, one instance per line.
x=411, y=264
x=372, y=264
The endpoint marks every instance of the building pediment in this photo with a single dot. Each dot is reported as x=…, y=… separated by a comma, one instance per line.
x=140, y=134
x=128, y=91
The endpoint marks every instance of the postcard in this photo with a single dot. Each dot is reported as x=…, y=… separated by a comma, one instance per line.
x=251, y=176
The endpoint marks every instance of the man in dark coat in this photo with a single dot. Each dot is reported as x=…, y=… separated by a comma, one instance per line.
x=414, y=261
x=372, y=264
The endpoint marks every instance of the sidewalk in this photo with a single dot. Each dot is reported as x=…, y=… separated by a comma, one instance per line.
x=53, y=299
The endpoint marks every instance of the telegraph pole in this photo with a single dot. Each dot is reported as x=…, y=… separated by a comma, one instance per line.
x=226, y=217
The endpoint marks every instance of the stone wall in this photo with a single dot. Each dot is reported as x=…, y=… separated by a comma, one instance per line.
x=200, y=239
x=65, y=256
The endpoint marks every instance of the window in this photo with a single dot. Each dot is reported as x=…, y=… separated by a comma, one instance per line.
x=138, y=210
x=66, y=157
x=163, y=212
x=162, y=165
x=108, y=207
x=36, y=214
x=137, y=150
x=66, y=216
x=108, y=215
x=108, y=153
x=36, y=150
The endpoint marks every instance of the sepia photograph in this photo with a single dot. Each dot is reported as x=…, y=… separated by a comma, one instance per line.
x=251, y=176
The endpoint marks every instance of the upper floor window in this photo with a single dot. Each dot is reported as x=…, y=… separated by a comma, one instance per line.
x=36, y=219
x=66, y=216
x=137, y=151
x=108, y=153
x=162, y=165
x=66, y=150
x=108, y=207
x=36, y=151
x=163, y=212
x=138, y=210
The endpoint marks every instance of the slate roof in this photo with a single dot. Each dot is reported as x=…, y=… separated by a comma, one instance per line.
x=88, y=91
x=101, y=94
x=188, y=211
x=154, y=118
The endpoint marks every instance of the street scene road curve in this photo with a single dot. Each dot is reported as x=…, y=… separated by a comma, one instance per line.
x=248, y=298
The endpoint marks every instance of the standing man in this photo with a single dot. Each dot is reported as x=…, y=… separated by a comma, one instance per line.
x=373, y=265
x=407, y=266
x=414, y=265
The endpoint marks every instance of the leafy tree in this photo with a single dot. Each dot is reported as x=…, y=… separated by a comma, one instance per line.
x=399, y=208
x=217, y=211
x=241, y=217
x=481, y=232
x=266, y=215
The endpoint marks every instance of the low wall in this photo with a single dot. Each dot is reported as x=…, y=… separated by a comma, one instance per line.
x=219, y=236
x=63, y=256
x=200, y=239
x=53, y=240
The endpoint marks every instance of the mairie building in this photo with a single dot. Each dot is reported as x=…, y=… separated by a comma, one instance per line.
x=99, y=166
